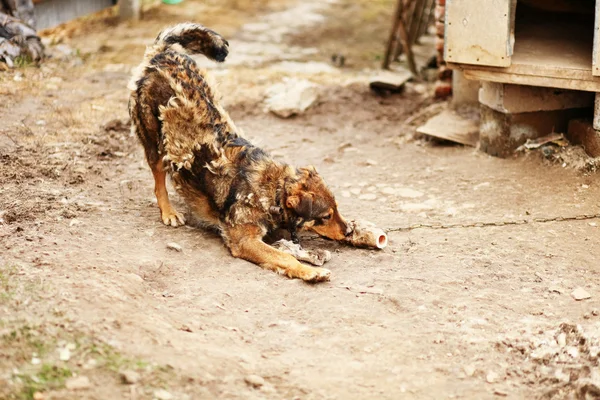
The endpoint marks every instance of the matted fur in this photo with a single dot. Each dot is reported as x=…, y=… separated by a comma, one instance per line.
x=227, y=182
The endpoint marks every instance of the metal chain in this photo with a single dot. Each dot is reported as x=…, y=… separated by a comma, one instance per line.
x=541, y=220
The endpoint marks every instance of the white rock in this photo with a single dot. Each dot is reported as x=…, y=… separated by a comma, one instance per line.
x=64, y=354
x=162, y=394
x=291, y=97
x=491, y=377
x=388, y=191
x=573, y=351
x=469, y=370
x=254, y=381
x=174, y=246
x=130, y=377
x=355, y=191
x=580, y=294
x=78, y=383
x=346, y=193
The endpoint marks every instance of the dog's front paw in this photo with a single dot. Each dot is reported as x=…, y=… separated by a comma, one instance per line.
x=317, y=275
x=172, y=218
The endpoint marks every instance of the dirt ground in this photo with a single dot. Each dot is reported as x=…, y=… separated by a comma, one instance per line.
x=93, y=305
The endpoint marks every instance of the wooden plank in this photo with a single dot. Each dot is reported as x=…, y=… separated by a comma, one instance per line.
x=54, y=12
x=591, y=85
x=596, y=49
x=478, y=32
x=450, y=126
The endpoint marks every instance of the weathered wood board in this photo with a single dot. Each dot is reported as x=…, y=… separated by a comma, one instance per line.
x=596, y=50
x=50, y=13
x=478, y=32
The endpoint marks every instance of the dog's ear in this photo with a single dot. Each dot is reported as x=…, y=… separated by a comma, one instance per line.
x=302, y=204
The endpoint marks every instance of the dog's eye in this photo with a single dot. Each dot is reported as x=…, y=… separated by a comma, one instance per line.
x=326, y=217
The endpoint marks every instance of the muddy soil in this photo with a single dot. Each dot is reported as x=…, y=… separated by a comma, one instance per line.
x=95, y=305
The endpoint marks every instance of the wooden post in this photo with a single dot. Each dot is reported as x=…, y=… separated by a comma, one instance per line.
x=393, y=39
x=129, y=9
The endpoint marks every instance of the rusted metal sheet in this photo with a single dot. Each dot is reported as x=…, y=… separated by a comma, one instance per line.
x=478, y=32
x=50, y=13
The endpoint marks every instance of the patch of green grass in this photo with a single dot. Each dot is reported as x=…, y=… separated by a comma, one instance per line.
x=7, y=285
x=23, y=61
x=49, y=377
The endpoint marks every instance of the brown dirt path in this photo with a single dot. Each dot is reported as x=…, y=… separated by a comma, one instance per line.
x=84, y=257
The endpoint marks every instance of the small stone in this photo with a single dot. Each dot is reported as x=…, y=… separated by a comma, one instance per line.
x=36, y=361
x=388, y=191
x=78, y=383
x=371, y=163
x=38, y=396
x=367, y=196
x=64, y=354
x=355, y=191
x=469, y=370
x=561, y=339
x=291, y=97
x=174, y=246
x=580, y=294
x=491, y=377
x=500, y=393
x=255, y=381
x=129, y=377
x=162, y=394
x=595, y=312
x=346, y=194
x=573, y=351
x=74, y=222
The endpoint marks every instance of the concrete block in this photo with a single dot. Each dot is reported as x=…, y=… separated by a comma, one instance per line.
x=582, y=132
x=464, y=91
x=508, y=98
x=501, y=133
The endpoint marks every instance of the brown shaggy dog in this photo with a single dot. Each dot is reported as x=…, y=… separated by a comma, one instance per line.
x=227, y=182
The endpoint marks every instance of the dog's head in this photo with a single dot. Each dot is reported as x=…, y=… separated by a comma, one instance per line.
x=309, y=198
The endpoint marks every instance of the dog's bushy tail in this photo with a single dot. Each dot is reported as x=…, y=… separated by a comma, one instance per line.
x=190, y=38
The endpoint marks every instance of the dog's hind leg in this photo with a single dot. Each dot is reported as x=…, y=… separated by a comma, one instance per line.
x=245, y=241
x=168, y=214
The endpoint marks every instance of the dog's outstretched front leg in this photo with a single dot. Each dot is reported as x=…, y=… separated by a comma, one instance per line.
x=316, y=257
x=168, y=214
x=245, y=241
